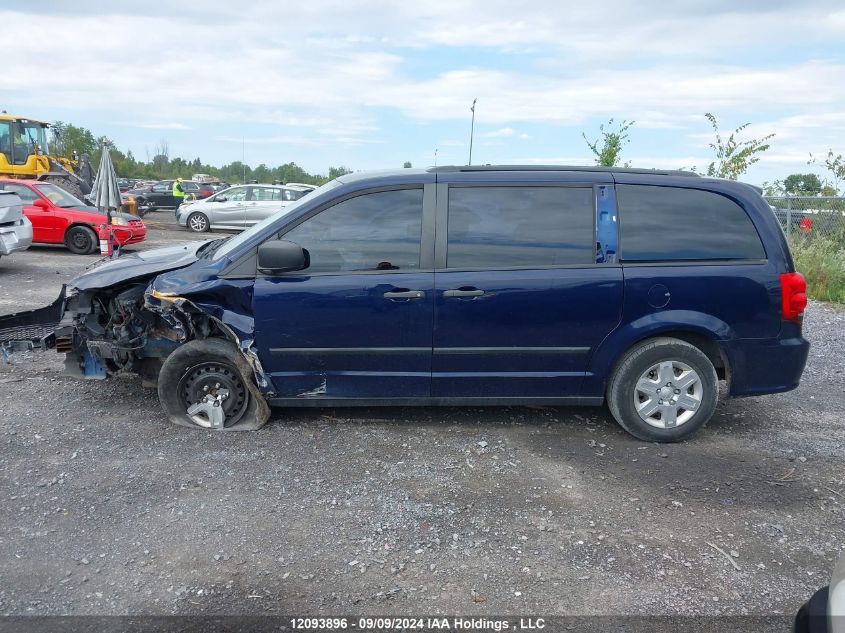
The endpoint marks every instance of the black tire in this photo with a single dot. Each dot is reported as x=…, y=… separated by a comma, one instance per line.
x=81, y=240
x=200, y=220
x=68, y=184
x=622, y=389
x=206, y=362
x=144, y=204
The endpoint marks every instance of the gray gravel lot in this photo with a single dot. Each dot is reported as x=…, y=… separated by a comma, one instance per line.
x=107, y=509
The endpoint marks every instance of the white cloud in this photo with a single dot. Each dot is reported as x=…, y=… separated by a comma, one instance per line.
x=501, y=132
x=163, y=126
x=340, y=67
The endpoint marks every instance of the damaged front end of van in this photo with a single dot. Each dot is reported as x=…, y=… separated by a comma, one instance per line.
x=131, y=314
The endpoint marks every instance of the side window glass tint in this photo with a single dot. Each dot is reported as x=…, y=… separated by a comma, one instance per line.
x=672, y=224
x=235, y=195
x=266, y=193
x=26, y=194
x=506, y=227
x=375, y=231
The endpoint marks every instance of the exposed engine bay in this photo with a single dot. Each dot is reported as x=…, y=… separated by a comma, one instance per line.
x=122, y=329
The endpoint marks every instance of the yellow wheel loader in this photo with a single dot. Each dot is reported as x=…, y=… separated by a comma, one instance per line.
x=24, y=154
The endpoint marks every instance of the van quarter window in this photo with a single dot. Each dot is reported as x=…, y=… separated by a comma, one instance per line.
x=507, y=227
x=671, y=224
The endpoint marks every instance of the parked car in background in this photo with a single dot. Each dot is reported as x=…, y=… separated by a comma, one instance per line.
x=125, y=184
x=302, y=186
x=160, y=195
x=15, y=228
x=237, y=207
x=57, y=217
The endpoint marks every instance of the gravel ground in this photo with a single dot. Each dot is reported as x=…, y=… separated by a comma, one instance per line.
x=110, y=510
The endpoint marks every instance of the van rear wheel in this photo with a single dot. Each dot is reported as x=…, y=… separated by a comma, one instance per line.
x=663, y=390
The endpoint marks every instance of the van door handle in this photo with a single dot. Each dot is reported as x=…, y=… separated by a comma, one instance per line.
x=404, y=293
x=463, y=292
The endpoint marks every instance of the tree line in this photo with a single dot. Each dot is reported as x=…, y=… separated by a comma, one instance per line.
x=159, y=165
x=732, y=156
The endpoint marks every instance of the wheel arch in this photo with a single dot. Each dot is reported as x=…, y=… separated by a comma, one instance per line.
x=704, y=331
x=75, y=223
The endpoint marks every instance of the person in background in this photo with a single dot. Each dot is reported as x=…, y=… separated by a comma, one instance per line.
x=178, y=193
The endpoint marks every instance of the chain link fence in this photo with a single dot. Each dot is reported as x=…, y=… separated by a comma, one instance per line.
x=810, y=217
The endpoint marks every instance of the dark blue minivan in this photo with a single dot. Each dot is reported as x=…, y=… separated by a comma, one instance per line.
x=493, y=285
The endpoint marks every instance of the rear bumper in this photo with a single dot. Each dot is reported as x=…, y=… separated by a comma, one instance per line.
x=15, y=237
x=760, y=366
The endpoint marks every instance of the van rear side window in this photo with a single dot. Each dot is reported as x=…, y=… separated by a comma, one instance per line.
x=506, y=227
x=674, y=224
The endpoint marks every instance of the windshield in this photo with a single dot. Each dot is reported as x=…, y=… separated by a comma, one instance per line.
x=32, y=133
x=234, y=242
x=59, y=196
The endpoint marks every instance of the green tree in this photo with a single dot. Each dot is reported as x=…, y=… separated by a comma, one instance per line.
x=160, y=165
x=68, y=138
x=407, y=164
x=336, y=172
x=734, y=157
x=773, y=189
x=835, y=165
x=608, y=147
x=802, y=184
x=262, y=173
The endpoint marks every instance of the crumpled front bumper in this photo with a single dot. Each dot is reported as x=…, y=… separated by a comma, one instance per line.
x=33, y=328
x=16, y=236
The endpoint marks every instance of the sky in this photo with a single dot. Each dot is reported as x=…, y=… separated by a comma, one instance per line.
x=372, y=84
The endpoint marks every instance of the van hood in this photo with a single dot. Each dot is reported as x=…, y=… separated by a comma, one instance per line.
x=137, y=265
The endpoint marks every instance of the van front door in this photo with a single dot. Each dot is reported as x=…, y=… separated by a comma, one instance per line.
x=357, y=322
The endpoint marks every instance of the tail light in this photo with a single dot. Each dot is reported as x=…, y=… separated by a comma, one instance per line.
x=793, y=291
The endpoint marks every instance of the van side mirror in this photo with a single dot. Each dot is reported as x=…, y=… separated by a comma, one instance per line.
x=41, y=204
x=281, y=256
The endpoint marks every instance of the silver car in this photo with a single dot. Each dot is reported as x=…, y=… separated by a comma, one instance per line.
x=15, y=227
x=237, y=207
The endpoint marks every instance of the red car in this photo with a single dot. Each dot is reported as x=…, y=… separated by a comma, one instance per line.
x=59, y=218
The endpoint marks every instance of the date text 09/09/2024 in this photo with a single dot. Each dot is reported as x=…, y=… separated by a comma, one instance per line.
x=417, y=623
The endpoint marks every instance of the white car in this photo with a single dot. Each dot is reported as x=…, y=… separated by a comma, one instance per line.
x=238, y=207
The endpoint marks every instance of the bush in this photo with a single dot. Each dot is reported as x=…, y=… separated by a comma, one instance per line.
x=822, y=262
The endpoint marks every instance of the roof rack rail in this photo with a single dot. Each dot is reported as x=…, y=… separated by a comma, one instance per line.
x=587, y=168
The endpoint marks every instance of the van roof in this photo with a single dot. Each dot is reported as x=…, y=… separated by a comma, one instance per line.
x=587, y=168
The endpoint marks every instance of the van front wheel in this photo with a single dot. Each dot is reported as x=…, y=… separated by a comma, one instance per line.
x=663, y=390
x=208, y=384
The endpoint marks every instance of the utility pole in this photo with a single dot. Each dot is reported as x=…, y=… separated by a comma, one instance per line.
x=435, y=157
x=243, y=156
x=472, y=130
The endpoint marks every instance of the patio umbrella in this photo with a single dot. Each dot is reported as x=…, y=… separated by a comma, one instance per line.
x=105, y=194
